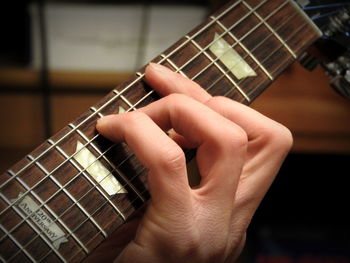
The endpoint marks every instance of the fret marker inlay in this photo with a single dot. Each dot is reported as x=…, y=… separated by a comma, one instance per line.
x=231, y=59
x=98, y=171
x=41, y=219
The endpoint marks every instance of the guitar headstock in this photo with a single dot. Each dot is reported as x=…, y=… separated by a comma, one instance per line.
x=332, y=51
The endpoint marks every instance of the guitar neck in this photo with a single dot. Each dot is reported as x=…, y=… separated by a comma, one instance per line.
x=63, y=199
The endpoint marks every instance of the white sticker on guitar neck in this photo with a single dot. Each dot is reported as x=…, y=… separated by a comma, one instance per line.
x=42, y=220
x=96, y=169
x=230, y=58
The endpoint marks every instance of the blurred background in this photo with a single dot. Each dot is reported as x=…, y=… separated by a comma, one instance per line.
x=57, y=58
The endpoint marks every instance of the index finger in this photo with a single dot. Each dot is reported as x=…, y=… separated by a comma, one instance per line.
x=166, y=82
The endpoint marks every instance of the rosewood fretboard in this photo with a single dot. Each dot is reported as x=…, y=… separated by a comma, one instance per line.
x=53, y=210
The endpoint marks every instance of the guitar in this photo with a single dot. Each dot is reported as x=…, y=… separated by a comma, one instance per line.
x=66, y=197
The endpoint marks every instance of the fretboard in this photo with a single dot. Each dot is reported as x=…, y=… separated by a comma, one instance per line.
x=63, y=199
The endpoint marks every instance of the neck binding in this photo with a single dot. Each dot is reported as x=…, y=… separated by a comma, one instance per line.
x=52, y=208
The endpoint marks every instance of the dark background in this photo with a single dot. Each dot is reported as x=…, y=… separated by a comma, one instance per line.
x=304, y=217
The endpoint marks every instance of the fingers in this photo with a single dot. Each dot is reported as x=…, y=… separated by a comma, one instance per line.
x=156, y=151
x=269, y=142
x=166, y=82
x=221, y=144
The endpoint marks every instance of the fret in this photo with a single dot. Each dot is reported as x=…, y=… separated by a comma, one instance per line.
x=271, y=29
x=114, y=168
x=237, y=41
x=295, y=42
x=204, y=26
x=101, y=107
x=33, y=157
x=172, y=64
x=222, y=71
x=50, y=210
x=18, y=245
x=238, y=16
x=92, y=182
x=38, y=233
x=291, y=37
x=292, y=18
x=139, y=74
x=75, y=202
x=142, y=95
x=259, y=50
x=124, y=99
x=118, y=106
x=64, y=189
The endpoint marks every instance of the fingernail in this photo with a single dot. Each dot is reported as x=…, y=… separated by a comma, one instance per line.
x=160, y=68
x=102, y=122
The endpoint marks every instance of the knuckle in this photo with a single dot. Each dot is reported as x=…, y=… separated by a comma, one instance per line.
x=172, y=158
x=174, y=98
x=135, y=118
x=238, y=136
x=233, y=139
x=279, y=137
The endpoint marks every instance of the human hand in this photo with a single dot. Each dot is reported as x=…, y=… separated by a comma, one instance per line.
x=239, y=152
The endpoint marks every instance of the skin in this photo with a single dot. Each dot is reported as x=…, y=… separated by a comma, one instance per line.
x=239, y=152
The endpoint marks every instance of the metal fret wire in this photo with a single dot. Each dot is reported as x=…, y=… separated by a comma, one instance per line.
x=107, y=103
x=285, y=61
x=102, y=107
x=48, y=208
x=247, y=34
x=131, y=104
x=39, y=232
x=193, y=78
x=270, y=28
x=75, y=203
x=74, y=164
x=17, y=243
x=301, y=27
x=125, y=89
x=112, y=165
x=228, y=71
x=252, y=11
x=52, y=213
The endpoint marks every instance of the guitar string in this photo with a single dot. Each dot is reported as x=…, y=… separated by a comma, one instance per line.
x=117, y=97
x=225, y=32
x=179, y=69
x=212, y=85
x=207, y=25
x=96, y=235
x=144, y=191
x=279, y=66
x=125, y=89
x=107, y=103
x=78, y=227
x=121, y=92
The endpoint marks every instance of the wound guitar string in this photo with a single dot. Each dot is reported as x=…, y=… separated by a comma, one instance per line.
x=108, y=103
x=178, y=70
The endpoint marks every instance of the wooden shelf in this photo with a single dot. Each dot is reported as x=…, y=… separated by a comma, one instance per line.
x=21, y=77
x=318, y=117
x=303, y=101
